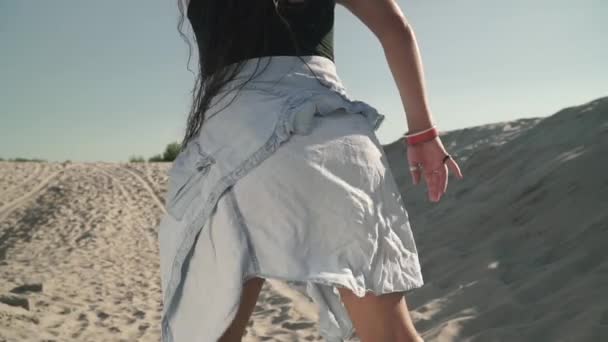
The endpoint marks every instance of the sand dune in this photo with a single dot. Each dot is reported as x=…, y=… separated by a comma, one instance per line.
x=514, y=252
x=517, y=250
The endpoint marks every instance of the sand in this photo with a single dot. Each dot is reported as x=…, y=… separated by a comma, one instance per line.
x=514, y=252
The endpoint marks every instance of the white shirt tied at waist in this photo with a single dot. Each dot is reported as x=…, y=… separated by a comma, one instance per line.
x=239, y=134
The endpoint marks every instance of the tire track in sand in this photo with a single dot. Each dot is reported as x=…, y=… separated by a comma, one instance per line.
x=36, y=173
x=148, y=184
x=13, y=205
x=119, y=183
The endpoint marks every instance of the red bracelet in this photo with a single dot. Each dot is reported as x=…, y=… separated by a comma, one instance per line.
x=423, y=136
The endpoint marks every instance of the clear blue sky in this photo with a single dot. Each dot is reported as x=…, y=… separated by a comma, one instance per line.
x=103, y=80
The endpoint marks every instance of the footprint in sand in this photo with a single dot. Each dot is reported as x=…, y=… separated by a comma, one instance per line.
x=65, y=311
x=276, y=300
x=102, y=315
x=264, y=312
x=298, y=325
x=279, y=319
x=139, y=314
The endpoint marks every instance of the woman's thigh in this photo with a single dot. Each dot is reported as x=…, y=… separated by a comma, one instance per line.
x=380, y=318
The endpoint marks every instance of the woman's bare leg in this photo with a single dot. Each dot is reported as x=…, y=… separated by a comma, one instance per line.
x=249, y=297
x=380, y=318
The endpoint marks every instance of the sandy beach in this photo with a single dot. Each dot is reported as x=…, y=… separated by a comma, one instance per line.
x=514, y=252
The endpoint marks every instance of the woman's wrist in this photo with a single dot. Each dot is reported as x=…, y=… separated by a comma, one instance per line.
x=419, y=122
x=416, y=138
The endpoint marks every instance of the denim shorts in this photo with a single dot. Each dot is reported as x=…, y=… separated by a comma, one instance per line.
x=287, y=180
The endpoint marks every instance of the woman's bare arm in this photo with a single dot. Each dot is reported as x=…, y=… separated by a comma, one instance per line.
x=388, y=23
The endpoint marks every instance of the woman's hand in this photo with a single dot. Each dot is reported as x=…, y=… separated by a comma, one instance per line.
x=429, y=156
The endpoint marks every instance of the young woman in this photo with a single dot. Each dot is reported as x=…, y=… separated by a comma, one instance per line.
x=281, y=175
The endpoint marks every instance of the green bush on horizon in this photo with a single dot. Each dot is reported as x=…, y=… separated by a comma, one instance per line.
x=171, y=151
x=137, y=159
x=155, y=158
x=22, y=160
x=169, y=155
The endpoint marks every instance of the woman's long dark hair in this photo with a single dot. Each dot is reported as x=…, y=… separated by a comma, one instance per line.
x=232, y=27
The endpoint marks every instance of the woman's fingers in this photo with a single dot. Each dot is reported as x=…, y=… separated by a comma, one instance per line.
x=415, y=176
x=437, y=182
x=432, y=181
x=428, y=178
x=443, y=179
x=434, y=186
x=454, y=167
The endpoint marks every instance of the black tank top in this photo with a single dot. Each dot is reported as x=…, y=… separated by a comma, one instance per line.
x=311, y=22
